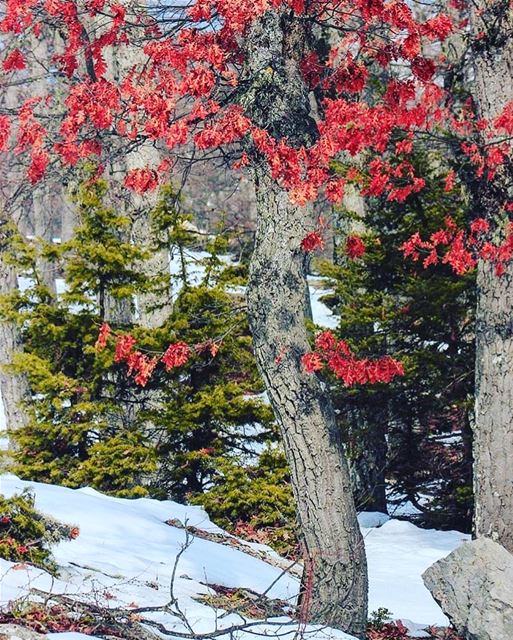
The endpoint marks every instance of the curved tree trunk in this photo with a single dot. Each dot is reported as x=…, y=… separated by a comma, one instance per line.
x=493, y=432
x=327, y=518
x=276, y=98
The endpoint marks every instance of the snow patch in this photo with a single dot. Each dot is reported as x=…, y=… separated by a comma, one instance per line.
x=126, y=548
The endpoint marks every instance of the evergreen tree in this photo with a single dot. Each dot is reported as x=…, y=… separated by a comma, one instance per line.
x=26, y=535
x=92, y=424
x=76, y=410
x=425, y=318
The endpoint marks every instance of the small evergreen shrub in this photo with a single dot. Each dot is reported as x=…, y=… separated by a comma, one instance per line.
x=27, y=535
x=255, y=501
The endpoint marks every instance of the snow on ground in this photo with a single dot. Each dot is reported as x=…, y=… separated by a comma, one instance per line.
x=126, y=549
x=398, y=553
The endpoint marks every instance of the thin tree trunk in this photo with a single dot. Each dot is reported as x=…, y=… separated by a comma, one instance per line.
x=365, y=438
x=153, y=308
x=14, y=388
x=493, y=434
x=42, y=220
x=367, y=447
x=320, y=479
x=45, y=205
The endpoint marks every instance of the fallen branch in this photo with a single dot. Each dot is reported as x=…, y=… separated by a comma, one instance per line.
x=294, y=568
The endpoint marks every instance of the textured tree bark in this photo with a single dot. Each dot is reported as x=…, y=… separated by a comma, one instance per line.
x=153, y=309
x=42, y=222
x=275, y=97
x=42, y=213
x=493, y=433
x=320, y=478
x=14, y=388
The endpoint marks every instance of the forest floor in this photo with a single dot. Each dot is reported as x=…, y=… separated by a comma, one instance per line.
x=125, y=560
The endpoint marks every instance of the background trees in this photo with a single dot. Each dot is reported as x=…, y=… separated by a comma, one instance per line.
x=87, y=423
x=416, y=430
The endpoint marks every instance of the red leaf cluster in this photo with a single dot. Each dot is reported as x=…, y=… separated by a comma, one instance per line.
x=15, y=61
x=388, y=631
x=171, y=93
x=103, y=336
x=355, y=247
x=141, y=180
x=176, y=355
x=312, y=241
x=336, y=356
x=461, y=249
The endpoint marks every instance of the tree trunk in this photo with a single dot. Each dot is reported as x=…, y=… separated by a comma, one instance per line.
x=153, y=308
x=14, y=389
x=493, y=435
x=276, y=98
x=42, y=219
x=367, y=447
x=326, y=514
x=364, y=437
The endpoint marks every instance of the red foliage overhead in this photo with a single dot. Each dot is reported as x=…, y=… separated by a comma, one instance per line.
x=183, y=87
x=460, y=248
x=103, y=337
x=179, y=89
x=141, y=180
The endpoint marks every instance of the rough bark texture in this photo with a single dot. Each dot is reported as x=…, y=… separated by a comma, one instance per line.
x=42, y=219
x=474, y=587
x=493, y=434
x=493, y=437
x=335, y=580
x=320, y=478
